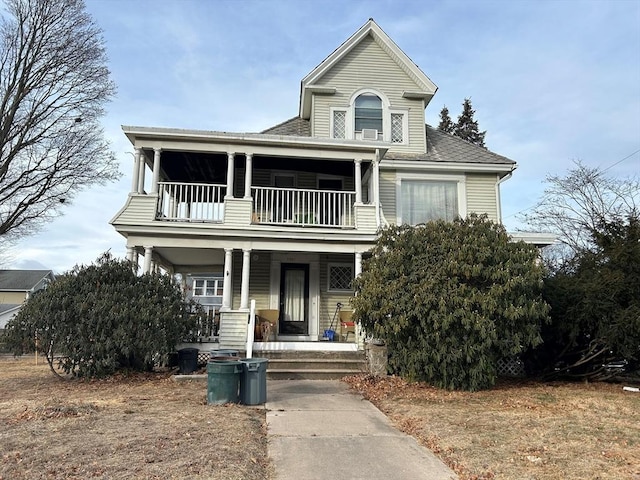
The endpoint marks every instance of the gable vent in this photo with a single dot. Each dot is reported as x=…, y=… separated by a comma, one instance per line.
x=369, y=134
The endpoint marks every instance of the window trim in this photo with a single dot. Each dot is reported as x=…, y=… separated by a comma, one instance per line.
x=218, y=282
x=405, y=125
x=340, y=264
x=332, y=111
x=426, y=177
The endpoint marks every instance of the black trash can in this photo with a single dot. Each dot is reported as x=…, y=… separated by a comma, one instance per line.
x=187, y=360
x=223, y=381
x=253, y=383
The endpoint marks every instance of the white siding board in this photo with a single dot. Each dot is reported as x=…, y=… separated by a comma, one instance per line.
x=328, y=300
x=388, y=194
x=481, y=195
x=138, y=209
x=369, y=66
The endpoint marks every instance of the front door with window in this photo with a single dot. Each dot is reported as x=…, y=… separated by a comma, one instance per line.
x=294, y=299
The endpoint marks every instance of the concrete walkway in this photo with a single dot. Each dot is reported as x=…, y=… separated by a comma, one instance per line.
x=318, y=429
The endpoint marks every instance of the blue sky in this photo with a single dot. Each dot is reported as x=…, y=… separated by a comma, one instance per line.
x=551, y=81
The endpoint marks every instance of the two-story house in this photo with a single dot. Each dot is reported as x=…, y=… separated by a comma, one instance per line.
x=285, y=216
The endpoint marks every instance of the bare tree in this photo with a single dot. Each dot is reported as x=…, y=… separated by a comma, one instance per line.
x=578, y=205
x=54, y=84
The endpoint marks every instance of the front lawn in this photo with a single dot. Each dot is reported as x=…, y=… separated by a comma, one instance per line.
x=519, y=430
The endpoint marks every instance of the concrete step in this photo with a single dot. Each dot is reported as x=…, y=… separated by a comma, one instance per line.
x=308, y=374
x=314, y=365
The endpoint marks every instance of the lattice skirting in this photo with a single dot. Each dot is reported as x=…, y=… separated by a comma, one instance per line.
x=511, y=367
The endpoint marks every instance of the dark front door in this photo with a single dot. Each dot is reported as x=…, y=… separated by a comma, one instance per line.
x=294, y=299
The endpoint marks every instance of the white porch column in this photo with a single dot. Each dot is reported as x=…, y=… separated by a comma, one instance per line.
x=358, y=269
x=376, y=189
x=130, y=254
x=247, y=175
x=156, y=170
x=358, y=166
x=141, y=172
x=136, y=170
x=230, y=169
x=148, y=253
x=244, y=288
x=226, y=284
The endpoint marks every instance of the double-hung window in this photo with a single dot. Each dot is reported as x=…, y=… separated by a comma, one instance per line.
x=424, y=200
x=368, y=112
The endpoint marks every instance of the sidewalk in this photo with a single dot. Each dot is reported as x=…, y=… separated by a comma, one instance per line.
x=318, y=429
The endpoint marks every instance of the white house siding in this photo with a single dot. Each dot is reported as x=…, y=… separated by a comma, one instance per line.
x=328, y=300
x=233, y=330
x=259, y=278
x=369, y=66
x=388, y=194
x=481, y=194
x=237, y=211
x=366, y=218
x=138, y=209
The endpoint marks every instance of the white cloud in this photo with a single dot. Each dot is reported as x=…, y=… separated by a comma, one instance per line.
x=550, y=81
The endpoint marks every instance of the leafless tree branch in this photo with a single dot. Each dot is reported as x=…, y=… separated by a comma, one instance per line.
x=54, y=84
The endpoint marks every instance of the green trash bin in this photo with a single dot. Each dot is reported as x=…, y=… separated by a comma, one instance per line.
x=223, y=354
x=253, y=383
x=223, y=381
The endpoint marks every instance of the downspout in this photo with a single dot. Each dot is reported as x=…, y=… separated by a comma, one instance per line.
x=498, y=196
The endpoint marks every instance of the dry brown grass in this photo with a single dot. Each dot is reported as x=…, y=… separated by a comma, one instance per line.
x=519, y=430
x=139, y=426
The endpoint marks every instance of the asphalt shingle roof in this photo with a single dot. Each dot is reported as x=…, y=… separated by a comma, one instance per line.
x=21, y=280
x=441, y=146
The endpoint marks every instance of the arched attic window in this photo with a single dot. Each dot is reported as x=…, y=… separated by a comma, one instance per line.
x=368, y=112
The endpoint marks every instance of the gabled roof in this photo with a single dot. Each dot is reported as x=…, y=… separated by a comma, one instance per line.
x=441, y=147
x=426, y=87
x=22, y=280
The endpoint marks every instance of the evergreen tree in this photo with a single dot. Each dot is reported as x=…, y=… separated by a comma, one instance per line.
x=467, y=127
x=446, y=124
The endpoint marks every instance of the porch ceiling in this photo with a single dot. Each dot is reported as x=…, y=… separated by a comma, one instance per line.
x=199, y=167
x=191, y=256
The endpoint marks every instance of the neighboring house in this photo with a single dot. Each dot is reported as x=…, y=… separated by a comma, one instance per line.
x=16, y=286
x=285, y=216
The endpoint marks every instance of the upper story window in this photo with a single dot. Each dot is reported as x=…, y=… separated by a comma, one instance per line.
x=368, y=112
x=421, y=200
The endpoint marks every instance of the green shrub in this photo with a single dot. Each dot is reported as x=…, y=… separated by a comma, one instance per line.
x=103, y=317
x=450, y=299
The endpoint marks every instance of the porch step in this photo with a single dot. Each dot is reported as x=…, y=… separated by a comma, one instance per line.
x=313, y=365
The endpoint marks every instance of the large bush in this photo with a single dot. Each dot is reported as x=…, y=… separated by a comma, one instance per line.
x=100, y=318
x=595, y=307
x=450, y=299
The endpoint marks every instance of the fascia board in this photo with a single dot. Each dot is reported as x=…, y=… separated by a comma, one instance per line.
x=536, y=238
x=135, y=134
x=420, y=165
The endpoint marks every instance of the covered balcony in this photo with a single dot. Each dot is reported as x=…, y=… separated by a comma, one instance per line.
x=259, y=191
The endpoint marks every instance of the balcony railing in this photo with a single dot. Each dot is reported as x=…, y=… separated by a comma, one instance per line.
x=191, y=202
x=287, y=206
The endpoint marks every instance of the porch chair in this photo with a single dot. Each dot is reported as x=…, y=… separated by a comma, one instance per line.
x=347, y=325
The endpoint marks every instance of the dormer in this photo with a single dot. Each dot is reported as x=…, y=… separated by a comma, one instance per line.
x=368, y=89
